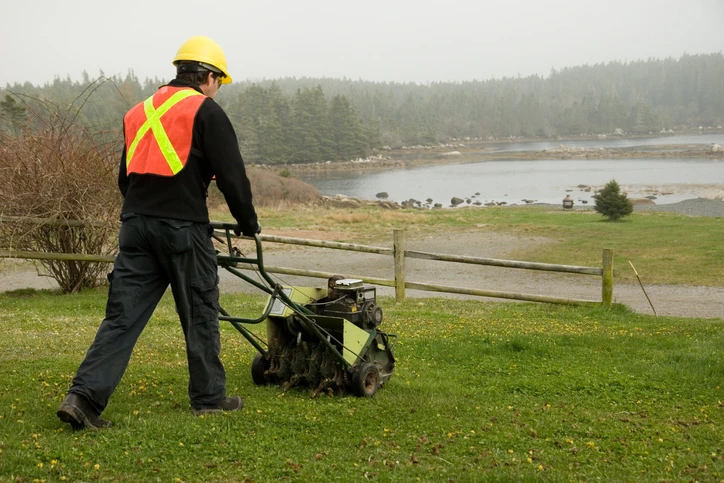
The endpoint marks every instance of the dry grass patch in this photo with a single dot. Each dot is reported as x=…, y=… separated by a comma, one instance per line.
x=397, y=216
x=353, y=217
x=271, y=190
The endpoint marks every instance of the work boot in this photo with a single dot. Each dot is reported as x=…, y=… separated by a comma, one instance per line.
x=77, y=411
x=227, y=404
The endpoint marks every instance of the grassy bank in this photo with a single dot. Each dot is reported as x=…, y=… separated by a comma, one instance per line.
x=664, y=247
x=504, y=392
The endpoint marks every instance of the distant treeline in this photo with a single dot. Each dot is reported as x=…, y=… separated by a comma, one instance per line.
x=294, y=120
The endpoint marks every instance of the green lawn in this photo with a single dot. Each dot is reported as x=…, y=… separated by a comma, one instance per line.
x=481, y=392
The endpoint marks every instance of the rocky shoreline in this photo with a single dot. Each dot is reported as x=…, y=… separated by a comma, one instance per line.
x=691, y=207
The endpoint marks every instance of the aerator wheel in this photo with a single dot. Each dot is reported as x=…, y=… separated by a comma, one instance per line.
x=258, y=367
x=366, y=380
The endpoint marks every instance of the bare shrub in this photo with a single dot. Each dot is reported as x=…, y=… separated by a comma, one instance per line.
x=60, y=170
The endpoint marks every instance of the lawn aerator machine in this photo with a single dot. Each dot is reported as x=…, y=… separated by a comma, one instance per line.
x=327, y=339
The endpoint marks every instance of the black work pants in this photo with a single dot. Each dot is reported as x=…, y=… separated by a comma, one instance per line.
x=156, y=252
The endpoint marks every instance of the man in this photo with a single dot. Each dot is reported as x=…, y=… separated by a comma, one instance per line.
x=175, y=143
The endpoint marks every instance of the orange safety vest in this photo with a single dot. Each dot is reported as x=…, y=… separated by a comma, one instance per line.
x=159, y=131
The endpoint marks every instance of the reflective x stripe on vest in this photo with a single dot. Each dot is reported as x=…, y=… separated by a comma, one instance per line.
x=163, y=158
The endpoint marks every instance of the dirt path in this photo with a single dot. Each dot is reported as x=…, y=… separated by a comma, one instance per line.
x=671, y=300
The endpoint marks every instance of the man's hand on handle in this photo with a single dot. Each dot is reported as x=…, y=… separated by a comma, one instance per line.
x=247, y=231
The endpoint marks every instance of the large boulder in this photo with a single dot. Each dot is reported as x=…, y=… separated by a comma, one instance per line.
x=389, y=205
x=456, y=201
x=712, y=194
x=341, y=201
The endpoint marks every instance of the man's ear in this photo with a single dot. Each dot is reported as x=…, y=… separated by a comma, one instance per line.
x=207, y=80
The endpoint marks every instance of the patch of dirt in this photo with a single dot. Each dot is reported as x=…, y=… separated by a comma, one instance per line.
x=22, y=274
x=669, y=300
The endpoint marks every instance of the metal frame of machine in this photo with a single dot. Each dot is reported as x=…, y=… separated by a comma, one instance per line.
x=322, y=338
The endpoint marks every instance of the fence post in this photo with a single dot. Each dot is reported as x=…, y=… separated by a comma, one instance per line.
x=398, y=242
x=607, y=278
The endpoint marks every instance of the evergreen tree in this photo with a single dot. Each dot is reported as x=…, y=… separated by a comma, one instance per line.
x=311, y=127
x=13, y=116
x=274, y=138
x=611, y=203
x=347, y=133
x=642, y=119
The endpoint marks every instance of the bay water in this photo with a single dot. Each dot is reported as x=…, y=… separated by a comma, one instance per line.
x=668, y=180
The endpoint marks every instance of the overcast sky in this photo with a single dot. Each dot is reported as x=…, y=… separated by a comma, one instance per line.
x=378, y=40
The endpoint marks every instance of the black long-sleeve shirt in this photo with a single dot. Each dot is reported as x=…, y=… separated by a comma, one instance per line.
x=214, y=152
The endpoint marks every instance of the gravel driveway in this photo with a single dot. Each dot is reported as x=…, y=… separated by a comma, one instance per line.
x=671, y=300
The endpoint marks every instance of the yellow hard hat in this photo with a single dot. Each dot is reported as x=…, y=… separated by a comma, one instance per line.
x=207, y=53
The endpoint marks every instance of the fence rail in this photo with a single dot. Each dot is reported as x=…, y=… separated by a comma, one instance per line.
x=52, y=221
x=493, y=262
x=399, y=254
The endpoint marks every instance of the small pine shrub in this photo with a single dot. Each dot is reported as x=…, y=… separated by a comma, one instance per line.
x=612, y=203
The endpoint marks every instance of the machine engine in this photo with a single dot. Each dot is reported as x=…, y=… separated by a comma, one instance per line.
x=336, y=346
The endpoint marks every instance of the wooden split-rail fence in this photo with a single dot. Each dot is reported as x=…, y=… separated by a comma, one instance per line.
x=399, y=254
